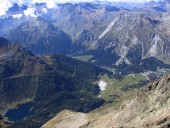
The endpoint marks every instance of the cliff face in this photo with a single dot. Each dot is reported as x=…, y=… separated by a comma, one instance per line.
x=150, y=109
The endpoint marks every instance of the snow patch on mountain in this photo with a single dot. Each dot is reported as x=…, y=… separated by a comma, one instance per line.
x=102, y=84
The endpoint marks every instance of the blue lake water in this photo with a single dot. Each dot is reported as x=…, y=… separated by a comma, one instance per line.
x=20, y=113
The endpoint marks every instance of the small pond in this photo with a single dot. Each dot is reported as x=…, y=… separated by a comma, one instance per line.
x=19, y=113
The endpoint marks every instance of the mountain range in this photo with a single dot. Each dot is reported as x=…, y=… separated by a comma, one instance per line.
x=90, y=29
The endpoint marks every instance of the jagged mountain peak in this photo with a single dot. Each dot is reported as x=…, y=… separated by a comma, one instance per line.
x=37, y=23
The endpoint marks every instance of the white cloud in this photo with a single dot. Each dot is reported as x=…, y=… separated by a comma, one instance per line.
x=30, y=12
x=4, y=5
x=51, y=4
x=44, y=10
x=17, y=16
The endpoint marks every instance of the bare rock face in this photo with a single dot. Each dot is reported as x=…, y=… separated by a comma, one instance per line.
x=67, y=119
x=133, y=37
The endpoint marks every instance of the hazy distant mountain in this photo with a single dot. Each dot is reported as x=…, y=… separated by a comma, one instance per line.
x=40, y=37
x=160, y=6
x=8, y=23
x=111, y=34
x=120, y=35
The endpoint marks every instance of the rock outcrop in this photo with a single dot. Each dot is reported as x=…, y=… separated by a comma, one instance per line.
x=67, y=119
